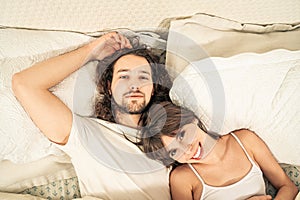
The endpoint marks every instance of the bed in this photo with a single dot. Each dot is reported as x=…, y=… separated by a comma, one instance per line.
x=215, y=45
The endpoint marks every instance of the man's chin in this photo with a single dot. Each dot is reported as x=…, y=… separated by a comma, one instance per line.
x=134, y=110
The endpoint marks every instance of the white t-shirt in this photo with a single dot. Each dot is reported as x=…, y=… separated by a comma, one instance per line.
x=109, y=166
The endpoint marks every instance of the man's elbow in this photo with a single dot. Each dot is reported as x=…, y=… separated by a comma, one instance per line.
x=16, y=84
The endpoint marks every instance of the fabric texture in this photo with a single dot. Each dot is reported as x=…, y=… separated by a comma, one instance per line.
x=18, y=177
x=58, y=190
x=253, y=91
x=103, y=160
x=91, y=15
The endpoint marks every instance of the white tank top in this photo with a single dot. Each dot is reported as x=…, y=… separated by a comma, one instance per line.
x=250, y=185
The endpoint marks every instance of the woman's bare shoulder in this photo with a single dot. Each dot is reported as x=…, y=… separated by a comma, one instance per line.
x=246, y=135
x=184, y=181
x=250, y=139
x=181, y=173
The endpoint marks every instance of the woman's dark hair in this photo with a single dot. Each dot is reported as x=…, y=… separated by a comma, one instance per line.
x=166, y=119
x=161, y=79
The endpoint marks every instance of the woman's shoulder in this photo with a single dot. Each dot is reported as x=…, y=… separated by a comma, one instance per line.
x=183, y=177
x=246, y=135
x=249, y=139
x=185, y=181
x=182, y=173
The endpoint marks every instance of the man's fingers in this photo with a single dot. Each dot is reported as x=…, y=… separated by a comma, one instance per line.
x=122, y=41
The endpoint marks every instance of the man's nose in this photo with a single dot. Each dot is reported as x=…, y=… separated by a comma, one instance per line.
x=134, y=87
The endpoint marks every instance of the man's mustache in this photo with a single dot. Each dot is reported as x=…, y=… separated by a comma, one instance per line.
x=136, y=92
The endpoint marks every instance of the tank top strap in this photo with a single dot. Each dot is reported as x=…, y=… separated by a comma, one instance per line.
x=240, y=143
x=196, y=173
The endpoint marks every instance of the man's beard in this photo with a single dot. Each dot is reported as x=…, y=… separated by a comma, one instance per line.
x=134, y=107
x=130, y=107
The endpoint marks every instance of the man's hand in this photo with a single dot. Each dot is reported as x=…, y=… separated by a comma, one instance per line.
x=106, y=45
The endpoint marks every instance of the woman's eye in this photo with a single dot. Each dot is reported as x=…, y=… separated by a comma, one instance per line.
x=172, y=153
x=181, y=135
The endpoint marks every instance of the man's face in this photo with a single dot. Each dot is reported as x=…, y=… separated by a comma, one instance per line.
x=132, y=83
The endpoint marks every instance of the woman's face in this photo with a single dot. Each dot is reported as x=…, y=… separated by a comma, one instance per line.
x=186, y=146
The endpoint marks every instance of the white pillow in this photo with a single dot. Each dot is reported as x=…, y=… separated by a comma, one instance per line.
x=202, y=35
x=255, y=91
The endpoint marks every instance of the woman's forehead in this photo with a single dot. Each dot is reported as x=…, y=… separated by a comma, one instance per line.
x=167, y=141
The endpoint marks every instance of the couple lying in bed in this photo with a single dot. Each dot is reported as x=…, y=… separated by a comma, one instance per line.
x=134, y=112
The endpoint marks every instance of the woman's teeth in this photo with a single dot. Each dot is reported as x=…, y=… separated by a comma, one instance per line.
x=197, y=154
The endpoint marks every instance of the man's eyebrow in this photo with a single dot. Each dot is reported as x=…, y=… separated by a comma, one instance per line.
x=126, y=70
x=122, y=70
x=145, y=72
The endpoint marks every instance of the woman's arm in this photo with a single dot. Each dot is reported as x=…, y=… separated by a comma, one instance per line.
x=270, y=167
x=31, y=85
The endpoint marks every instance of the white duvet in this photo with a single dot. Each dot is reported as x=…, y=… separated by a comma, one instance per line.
x=255, y=91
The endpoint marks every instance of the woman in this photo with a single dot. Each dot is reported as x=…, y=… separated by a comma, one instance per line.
x=210, y=167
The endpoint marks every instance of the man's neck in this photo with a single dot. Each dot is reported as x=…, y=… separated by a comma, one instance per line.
x=130, y=120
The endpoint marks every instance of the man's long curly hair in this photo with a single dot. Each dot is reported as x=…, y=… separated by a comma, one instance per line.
x=161, y=80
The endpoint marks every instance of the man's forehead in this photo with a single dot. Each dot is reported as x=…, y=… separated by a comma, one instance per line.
x=132, y=63
x=131, y=59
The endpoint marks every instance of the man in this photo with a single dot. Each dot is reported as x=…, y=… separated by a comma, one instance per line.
x=108, y=165
x=110, y=68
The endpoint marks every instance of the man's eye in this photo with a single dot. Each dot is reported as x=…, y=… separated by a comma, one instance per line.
x=172, y=153
x=144, y=78
x=123, y=77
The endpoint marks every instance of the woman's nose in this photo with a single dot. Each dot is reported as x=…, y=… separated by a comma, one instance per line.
x=188, y=149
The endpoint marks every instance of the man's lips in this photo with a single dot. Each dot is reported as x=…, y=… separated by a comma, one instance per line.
x=134, y=95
